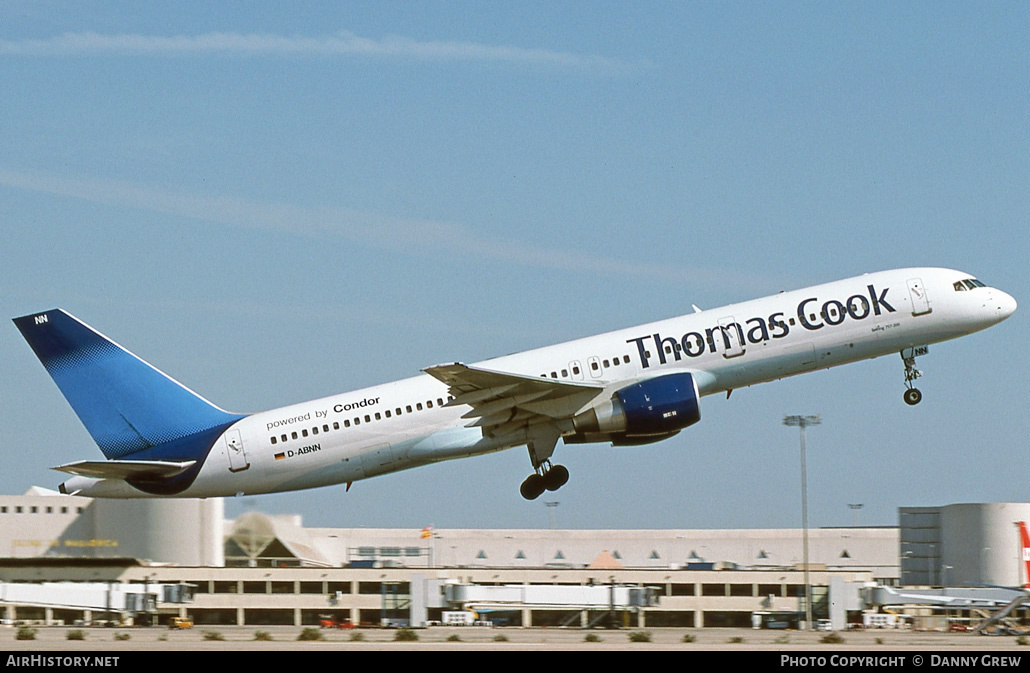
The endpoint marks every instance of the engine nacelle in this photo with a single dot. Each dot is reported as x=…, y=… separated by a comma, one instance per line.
x=660, y=406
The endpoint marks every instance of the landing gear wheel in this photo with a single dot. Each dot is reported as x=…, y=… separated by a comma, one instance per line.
x=532, y=487
x=913, y=396
x=556, y=477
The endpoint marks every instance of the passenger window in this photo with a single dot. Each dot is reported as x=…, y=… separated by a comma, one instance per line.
x=368, y=419
x=429, y=404
x=593, y=366
x=387, y=414
x=357, y=421
x=408, y=408
x=419, y=406
x=346, y=423
x=565, y=373
x=439, y=401
x=304, y=432
x=379, y=416
x=606, y=365
x=314, y=430
x=325, y=428
x=575, y=370
x=336, y=426
x=398, y=411
x=273, y=440
x=294, y=435
x=625, y=359
x=284, y=438
x=554, y=375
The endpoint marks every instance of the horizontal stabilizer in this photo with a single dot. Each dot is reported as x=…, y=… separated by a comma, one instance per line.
x=126, y=469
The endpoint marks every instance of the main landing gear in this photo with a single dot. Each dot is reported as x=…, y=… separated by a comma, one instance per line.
x=547, y=478
x=908, y=356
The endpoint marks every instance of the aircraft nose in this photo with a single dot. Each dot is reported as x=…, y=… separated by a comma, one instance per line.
x=1004, y=304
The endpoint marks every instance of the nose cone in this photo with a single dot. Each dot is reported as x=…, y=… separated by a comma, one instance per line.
x=1005, y=304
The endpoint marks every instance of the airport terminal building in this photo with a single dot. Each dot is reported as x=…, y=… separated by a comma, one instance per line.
x=181, y=557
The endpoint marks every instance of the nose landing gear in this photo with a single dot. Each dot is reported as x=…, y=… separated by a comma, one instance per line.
x=908, y=356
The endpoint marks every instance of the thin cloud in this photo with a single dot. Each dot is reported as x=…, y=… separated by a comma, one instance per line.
x=410, y=236
x=341, y=44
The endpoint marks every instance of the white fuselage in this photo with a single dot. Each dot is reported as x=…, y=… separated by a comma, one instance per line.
x=394, y=426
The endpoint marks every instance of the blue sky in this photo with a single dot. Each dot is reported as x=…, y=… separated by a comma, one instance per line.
x=280, y=201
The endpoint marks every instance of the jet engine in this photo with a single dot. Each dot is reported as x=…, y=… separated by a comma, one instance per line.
x=642, y=412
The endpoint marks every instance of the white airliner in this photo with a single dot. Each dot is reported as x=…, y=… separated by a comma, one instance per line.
x=629, y=387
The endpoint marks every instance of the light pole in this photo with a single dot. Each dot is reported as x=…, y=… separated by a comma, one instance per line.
x=854, y=513
x=551, y=505
x=803, y=422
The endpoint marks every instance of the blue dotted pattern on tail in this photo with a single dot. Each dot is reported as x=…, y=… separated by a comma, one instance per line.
x=126, y=405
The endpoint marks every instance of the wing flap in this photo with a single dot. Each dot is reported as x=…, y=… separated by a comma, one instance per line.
x=475, y=396
x=504, y=402
x=487, y=408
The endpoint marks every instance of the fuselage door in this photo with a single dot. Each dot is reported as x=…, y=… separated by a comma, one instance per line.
x=377, y=459
x=729, y=338
x=576, y=370
x=920, y=302
x=594, y=364
x=234, y=449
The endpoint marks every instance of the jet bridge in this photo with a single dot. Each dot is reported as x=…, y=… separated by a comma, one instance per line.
x=543, y=596
x=113, y=597
x=994, y=604
x=962, y=598
x=586, y=601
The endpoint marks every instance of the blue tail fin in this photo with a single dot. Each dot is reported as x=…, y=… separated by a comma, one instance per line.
x=126, y=404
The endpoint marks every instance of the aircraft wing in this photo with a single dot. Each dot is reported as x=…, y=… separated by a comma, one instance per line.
x=126, y=469
x=503, y=402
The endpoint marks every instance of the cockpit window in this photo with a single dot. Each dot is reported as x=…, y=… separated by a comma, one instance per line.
x=967, y=283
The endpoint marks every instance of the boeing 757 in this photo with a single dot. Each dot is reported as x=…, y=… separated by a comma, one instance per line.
x=629, y=387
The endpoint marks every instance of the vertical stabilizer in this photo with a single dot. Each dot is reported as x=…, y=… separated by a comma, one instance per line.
x=126, y=404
